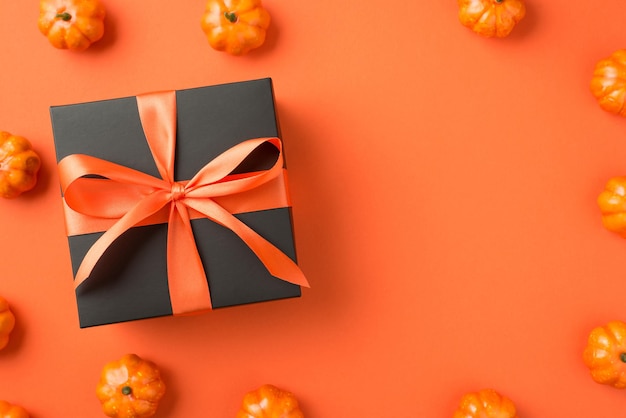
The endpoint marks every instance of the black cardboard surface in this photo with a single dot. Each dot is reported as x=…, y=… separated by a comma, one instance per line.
x=130, y=280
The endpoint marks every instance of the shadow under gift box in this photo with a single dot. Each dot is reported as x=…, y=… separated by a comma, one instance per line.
x=130, y=280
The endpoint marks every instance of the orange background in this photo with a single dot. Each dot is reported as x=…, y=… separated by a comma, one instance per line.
x=443, y=191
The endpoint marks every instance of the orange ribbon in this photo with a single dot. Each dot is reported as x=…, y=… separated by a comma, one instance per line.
x=124, y=198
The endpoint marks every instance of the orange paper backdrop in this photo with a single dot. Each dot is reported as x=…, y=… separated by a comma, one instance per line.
x=443, y=189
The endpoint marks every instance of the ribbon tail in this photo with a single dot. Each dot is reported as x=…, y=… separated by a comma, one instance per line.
x=277, y=263
x=146, y=207
x=188, y=286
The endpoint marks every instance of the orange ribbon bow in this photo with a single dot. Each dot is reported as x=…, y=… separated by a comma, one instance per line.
x=126, y=198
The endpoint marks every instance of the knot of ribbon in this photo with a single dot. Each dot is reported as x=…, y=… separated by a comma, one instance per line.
x=178, y=191
x=100, y=189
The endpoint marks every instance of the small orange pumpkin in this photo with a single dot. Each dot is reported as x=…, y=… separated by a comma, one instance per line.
x=7, y=322
x=130, y=387
x=491, y=18
x=486, y=403
x=19, y=165
x=269, y=401
x=8, y=410
x=608, y=83
x=235, y=26
x=612, y=204
x=71, y=24
x=605, y=354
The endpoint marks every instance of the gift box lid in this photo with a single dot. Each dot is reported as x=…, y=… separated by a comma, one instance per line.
x=130, y=280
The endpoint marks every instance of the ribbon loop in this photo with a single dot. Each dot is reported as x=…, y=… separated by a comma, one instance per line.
x=129, y=197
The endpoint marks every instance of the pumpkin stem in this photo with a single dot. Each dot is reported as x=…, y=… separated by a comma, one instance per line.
x=623, y=357
x=499, y=1
x=127, y=390
x=64, y=16
x=230, y=16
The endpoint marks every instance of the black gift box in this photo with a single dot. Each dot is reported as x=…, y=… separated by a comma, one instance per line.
x=130, y=281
